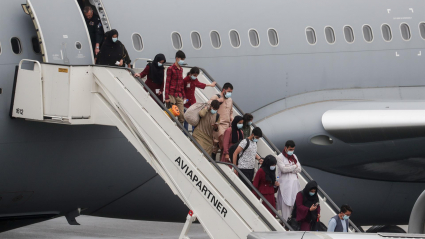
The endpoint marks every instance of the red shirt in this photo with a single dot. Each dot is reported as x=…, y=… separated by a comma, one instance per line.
x=189, y=89
x=175, y=84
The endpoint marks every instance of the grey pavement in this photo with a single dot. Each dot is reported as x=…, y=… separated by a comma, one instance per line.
x=97, y=227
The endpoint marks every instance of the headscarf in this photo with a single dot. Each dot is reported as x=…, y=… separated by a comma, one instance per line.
x=270, y=160
x=236, y=133
x=111, y=52
x=310, y=199
x=156, y=73
x=108, y=36
x=290, y=158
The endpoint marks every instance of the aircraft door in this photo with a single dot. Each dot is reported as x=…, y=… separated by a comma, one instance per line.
x=62, y=31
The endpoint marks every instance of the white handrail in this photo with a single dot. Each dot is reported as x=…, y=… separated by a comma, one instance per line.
x=38, y=63
x=147, y=59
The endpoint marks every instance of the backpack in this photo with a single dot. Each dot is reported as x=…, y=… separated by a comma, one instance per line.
x=233, y=148
x=292, y=220
x=219, y=96
x=192, y=114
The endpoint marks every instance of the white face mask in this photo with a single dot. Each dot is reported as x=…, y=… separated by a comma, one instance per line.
x=272, y=168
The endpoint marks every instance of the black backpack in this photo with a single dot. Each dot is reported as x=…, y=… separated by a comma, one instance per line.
x=219, y=96
x=233, y=148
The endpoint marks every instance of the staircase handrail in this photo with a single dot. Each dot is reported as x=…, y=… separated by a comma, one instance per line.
x=206, y=155
x=272, y=146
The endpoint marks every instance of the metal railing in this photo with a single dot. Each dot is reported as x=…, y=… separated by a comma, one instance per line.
x=269, y=143
x=137, y=59
x=304, y=173
x=249, y=182
x=197, y=145
x=206, y=155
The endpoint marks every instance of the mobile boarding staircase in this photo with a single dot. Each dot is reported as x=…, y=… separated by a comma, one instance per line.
x=102, y=95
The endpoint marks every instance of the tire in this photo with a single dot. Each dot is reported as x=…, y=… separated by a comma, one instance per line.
x=386, y=228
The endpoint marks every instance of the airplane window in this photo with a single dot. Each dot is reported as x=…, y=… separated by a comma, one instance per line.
x=16, y=45
x=137, y=42
x=177, y=40
x=273, y=37
x=196, y=40
x=78, y=45
x=35, y=45
x=386, y=32
x=367, y=33
x=330, y=35
x=215, y=39
x=311, y=35
x=405, y=31
x=422, y=29
x=0, y=48
x=253, y=38
x=235, y=40
x=349, y=34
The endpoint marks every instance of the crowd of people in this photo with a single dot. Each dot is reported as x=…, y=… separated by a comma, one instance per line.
x=219, y=132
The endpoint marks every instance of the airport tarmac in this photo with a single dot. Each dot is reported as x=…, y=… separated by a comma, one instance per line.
x=97, y=227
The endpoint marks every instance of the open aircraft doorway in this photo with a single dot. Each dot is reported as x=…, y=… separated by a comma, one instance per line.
x=65, y=39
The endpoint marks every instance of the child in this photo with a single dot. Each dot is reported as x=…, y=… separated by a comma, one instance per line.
x=190, y=84
x=265, y=181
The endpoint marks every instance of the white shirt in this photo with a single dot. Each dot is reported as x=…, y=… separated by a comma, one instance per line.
x=247, y=161
x=288, y=179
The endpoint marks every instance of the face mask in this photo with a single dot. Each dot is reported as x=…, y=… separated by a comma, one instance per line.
x=228, y=95
x=254, y=140
x=193, y=77
x=345, y=217
x=240, y=126
x=181, y=62
x=272, y=168
x=159, y=64
x=311, y=194
x=114, y=39
x=213, y=111
x=250, y=123
x=290, y=153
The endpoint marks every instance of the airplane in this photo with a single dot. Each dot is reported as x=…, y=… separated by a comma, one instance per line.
x=342, y=79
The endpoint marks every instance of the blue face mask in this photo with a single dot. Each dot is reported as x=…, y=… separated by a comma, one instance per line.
x=345, y=217
x=254, y=140
x=193, y=77
x=311, y=194
x=240, y=126
x=181, y=62
x=250, y=123
x=272, y=168
x=228, y=95
x=213, y=111
x=114, y=39
x=159, y=64
x=290, y=153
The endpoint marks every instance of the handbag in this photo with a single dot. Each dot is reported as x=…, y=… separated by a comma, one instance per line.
x=294, y=224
